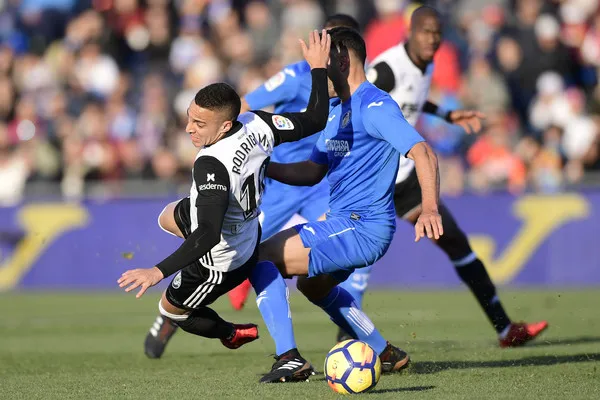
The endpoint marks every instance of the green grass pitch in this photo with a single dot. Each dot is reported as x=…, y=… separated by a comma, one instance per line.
x=83, y=346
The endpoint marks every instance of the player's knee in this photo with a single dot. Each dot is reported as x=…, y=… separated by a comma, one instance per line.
x=163, y=219
x=167, y=310
x=166, y=221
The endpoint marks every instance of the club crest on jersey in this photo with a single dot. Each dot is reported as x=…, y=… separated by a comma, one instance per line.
x=346, y=119
x=282, y=123
x=275, y=81
x=177, y=281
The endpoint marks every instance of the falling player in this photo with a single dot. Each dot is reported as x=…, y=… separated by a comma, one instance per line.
x=289, y=90
x=219, y=220
x=405, y=71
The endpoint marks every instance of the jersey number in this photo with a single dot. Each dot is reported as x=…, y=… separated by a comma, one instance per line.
x=249, y=199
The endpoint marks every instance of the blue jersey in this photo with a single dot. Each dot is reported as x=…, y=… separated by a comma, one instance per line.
x=289, y=91
x=361, y=144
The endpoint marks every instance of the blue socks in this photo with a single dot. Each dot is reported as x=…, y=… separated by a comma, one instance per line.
x=356, y=284
x=273, y=302
x=343, y=310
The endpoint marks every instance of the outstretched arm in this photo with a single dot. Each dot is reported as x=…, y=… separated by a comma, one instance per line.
x=469, y=120
x=382, y=76
x=212, y=182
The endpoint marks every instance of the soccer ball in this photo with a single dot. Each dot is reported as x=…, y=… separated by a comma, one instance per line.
x=352, y=366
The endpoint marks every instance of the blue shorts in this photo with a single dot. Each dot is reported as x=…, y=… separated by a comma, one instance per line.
x=281, y=202
x=339, y=245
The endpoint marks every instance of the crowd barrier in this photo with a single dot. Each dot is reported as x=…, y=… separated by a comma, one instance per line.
x=528, y=240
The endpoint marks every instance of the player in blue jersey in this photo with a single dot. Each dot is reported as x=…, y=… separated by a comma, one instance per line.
x=359, y=153
x=405, y=72
x=288, y=91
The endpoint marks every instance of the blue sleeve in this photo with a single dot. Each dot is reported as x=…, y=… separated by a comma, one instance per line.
x=281, y=87
x=319, y=153
x=384, y=120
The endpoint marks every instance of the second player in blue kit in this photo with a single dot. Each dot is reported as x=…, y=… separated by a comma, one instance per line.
x=289, y=91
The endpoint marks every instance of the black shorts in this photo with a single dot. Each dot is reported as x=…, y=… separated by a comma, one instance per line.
x=407, y=194
x=195, y=285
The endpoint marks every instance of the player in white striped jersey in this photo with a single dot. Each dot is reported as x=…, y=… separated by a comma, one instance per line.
x=405, y=72
x=219, y=220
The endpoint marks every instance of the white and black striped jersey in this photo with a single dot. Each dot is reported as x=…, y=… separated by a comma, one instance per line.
x=394, y=72
x=235, y=164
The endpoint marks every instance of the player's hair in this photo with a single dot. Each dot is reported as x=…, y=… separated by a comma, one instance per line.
x=350, y=39
x=339, y=20
x=423, y=12
x=219, y=97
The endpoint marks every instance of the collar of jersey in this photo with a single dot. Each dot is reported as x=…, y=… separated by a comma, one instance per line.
x=405, y=46
x=237, y=125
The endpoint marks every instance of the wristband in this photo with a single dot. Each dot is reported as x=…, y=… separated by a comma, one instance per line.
x=443, y=113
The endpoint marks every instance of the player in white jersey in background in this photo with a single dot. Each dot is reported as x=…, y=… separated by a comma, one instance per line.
x=405, y=72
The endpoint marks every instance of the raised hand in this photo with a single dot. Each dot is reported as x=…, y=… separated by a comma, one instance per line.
x=316, y=52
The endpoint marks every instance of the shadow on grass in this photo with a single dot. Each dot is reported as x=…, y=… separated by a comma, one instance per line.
x=565, y=341
x=432, y=367
x=403, y=389
x=449, y=344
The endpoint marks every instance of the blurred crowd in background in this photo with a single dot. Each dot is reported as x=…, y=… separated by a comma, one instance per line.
x=97, y=90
